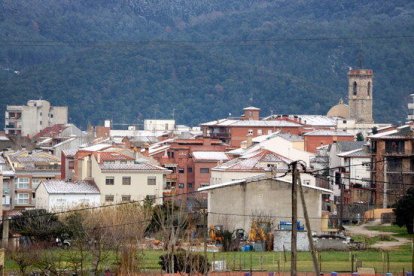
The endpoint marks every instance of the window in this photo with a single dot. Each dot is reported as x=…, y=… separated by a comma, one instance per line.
x=189, y=169
x=71, y=164
x=151, y=180
x=180, y=170
x=170, y=154
x=204, y=170
x=23, y=183
x=250, y=132
x=109, y=198
x=190, y=185
x=126, y=180
x=369, y=89
x=269, y=131
x=40, y=122
x=354, y=88
x=126, y=198
x=22, y=198
x=181, y=185
x=259, y=132
x=109, y=180
x=204, y=184
x=394, y=146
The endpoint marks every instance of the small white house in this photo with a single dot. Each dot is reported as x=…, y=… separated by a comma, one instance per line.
x=57, y=195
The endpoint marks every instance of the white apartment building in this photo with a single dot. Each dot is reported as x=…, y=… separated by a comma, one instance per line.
x=30, y=119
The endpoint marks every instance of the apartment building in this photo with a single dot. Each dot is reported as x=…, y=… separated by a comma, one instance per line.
x=233, y=131
x=119, y=175
x=392, y=164
x=30, y=119
x=29, y=170
x=190, y=162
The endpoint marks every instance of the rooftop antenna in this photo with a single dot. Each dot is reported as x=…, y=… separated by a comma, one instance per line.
x=173, y=113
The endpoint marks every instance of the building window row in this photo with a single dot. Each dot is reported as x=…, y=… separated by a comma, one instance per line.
x=126, y=180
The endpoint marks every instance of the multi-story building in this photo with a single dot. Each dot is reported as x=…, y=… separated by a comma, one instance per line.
x=119, y=176
x=233, y=131
x=29, y=169
x=30, y=119
x=392, y=164
x=317, y=138
x=190, y=161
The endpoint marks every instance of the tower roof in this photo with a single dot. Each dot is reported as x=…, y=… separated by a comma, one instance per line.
x=339, y=110
x=358, y=72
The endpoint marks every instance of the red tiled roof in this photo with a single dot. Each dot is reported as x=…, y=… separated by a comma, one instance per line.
x=51, y=131
x=111, y=156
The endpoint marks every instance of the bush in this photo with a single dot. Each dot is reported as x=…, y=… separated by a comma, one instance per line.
x=184, y=262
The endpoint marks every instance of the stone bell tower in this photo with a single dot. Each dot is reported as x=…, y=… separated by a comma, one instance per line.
x=360, y=95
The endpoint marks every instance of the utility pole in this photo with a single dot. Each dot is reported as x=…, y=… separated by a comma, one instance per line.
x=412, y=249
x=308, y=228
x=338, y=181
x=293, y=244
x=204, y=212
x=385, y=185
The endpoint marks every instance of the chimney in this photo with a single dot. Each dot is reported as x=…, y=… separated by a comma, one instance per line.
x=249, y=140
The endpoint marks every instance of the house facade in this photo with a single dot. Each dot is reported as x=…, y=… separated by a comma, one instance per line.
x=30, y=169
x=58, y=196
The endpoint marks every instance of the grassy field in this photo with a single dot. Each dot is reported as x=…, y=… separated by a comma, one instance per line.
x=276, y=261
x=398, y=231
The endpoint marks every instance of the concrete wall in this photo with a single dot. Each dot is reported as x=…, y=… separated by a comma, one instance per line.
x=282, y=241
x=62, y=202
x=159, y=125
x=233, y=206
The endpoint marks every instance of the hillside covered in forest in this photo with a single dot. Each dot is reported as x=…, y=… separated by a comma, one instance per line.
x=128, y=60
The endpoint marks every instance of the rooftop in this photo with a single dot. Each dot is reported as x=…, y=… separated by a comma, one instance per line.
x=210, y=155
x=255, y=161
x=103, y=156
x=131, y=167
x=62, y=187
x=323, y=132
x=256, y=179
x=309, y=120
x=250, y=123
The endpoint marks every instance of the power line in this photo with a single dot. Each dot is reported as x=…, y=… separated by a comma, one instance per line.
x=229, y=42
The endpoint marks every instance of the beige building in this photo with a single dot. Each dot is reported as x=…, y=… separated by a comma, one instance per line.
x=234, y=204
x=30, y=119
x=121, y=178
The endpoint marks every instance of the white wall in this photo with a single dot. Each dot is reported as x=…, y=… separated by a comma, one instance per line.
x=233, y=206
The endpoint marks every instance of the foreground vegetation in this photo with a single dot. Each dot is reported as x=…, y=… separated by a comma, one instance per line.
x=269, y=261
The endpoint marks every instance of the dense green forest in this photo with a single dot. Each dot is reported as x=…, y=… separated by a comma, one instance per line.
x=128, y=60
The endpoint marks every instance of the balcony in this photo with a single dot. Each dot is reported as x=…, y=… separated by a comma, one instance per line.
x=220, y=135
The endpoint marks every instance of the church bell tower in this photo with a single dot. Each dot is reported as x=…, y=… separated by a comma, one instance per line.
x=360, y=95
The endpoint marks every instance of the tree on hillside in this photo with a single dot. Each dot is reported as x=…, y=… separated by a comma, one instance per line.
x=404, y=211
